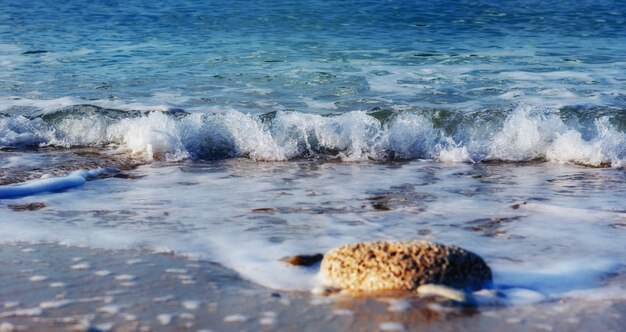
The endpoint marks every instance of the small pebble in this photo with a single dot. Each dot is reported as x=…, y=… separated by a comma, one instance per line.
x=544, y=327
x=125, y=277
x=11, y=304
x=28, y=312
x=343, y=312
x=129, y=317
x=6, y=327
x=186, y=315
x=38, y=278
x=57, y=285
x=191, y=305
x=102, y=273
x=55, y=304
x=268, y=318
x=236, y=318
x=269, y=314
x=103, y=327
x=81, y=266
x=164, y=319
x=320, y=301
x=267, y=321
x=133, y=261
x=514, y=320
x=399, y=305
x=109, y=309
x=391, y=326
x=176, y=271
x=162, y=299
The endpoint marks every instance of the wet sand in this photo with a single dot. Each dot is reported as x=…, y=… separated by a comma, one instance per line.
x=52, y=287
x=52, y=161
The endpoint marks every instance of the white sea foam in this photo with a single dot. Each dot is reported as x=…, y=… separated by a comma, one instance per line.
x=26, y=312
x=45, y=184
x=316, y=104
x=56, y=304
x=609, y=146
x=155, y=137
x=454, y=154
x=527, y=133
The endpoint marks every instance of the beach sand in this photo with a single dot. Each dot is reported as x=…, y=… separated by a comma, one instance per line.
x=50, y=287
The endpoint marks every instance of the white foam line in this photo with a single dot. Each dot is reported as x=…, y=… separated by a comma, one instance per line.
x=572, y=212
x=32, y=187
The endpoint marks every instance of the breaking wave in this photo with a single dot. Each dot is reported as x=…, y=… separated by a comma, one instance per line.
x=587, y=137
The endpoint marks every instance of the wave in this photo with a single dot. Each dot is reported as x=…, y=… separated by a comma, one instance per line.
x=574, y=135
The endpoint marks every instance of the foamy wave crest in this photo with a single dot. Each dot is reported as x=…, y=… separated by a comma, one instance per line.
x=519, y=135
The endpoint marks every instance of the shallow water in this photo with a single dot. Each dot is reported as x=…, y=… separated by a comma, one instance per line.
x=242, y=133
x=552, y=229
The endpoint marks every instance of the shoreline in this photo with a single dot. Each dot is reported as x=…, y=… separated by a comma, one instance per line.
x=55, y=287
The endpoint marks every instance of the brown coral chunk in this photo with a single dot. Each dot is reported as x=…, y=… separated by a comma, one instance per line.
x=378, y=266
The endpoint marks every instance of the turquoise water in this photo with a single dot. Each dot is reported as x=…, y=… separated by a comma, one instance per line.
x=318, y=55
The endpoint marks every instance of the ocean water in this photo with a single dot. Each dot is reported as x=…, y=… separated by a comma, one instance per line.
x=241, y=132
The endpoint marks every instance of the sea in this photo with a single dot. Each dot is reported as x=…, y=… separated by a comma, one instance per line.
x=240, y=132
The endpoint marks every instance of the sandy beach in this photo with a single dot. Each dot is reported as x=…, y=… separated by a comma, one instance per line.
x=51, y=287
